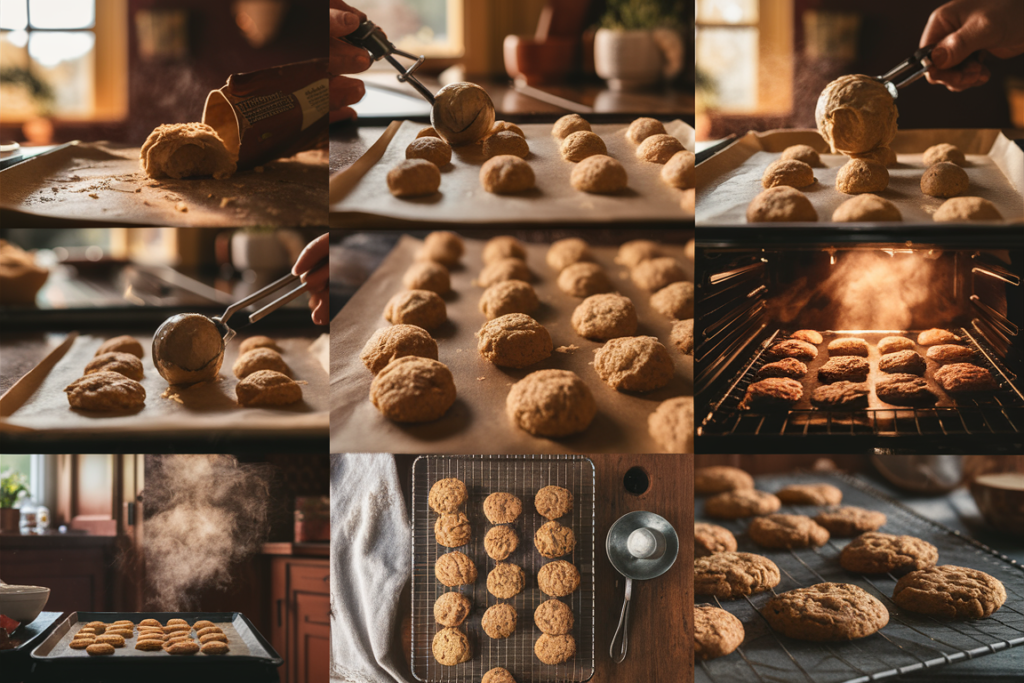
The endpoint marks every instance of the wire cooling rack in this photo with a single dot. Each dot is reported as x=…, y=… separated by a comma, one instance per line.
x=522, y=476
x=910, y=642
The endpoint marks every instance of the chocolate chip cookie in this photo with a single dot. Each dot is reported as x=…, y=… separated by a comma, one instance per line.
x=720, y=478
x=506, y=580
x=500, y=542
x=455, y=569
x=446, y=495
x=733, y=575
x=787, y=531
x=451, y=647
x=878, y=553
x=848, y=368
x=741, y=503
x=451, y=609
x=554, y=540
x=716, y=632
x=826, y=612
x=850, y=521
x=555, y=649
x=502, y=508
x=497, y=675
x=553, y=502
x=709, y=539
x=499, y=621
x=554, y=617
x=950, y=592
x=558, y=578
x=452, y=530
x=810, y=494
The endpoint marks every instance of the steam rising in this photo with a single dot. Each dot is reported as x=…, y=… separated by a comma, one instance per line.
x=204, y=514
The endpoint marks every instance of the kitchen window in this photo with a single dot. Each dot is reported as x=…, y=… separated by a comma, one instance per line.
x=432, y=28
x=40, y=474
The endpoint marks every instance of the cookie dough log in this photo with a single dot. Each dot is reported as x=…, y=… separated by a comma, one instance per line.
x=188, y=348
x=551, y=403
x=856, y=114
x=514, y=341
x=671, y=425
x=413, y=389
x=634, y=364
x=186, y=150
x=462, y=113
x=397, y=341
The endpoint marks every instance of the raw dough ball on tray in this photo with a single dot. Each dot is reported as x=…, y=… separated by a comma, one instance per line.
x=186, y=150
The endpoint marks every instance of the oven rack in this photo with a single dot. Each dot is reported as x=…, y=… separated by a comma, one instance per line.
x=999, y=415
x=523, y=476
x=910, y=642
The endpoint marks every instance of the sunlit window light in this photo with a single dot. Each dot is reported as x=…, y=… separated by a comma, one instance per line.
x=13, y=16
x=66, y=14
x=50, y=49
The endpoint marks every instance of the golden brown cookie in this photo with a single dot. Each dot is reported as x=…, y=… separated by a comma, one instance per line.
x=213, y=637
x=507, y=174
x=502, y=508
x=500, y=542
x=810, y=494
x=98, y=627
x=950, y=592
x=855, y=114
x=741, y=503
x=568, y=124
x=184, y=647
x=105, y=391
x=555, y=649
x=731, y=575
x=412, y=389
x=510, y=296
x=781, y=204
x=434, y=150
x=787, y=531
x=848, y=346
x=906, y=361
x=503, y=270
x=671, y=425
x=583, y=280
x=452, y=529
x=904, y=390
x=214, y=647
x=826, y=612
x=580, y=145
x=455, y=569
x=658, y=148
x=893, y=344
x=123, y=344
x=149, y=645
x=657, y=273
x=850, y=521
x=804, y=153
x=389, y=343
x=878, y=553
x=551, y=403
x=506, y=580
x=943, y=152
x=446, y=495
x=643, y=128
x=506, y=142
x=716, y=632
x=720, y=478
x=558, y=578
x=634, y=364
x=944, y=179
x=788, y=172
x=841, y=396
x=862, y=175
x=154, y=622
x=773, y=393
x=792, y=348
x=259, y=359
x=553, y=502
x=965, y=378
x=950, y=353
x=451, y=609
x=709, y=539
x=936, y=336
x=416, y=307
x=787, y=367
x=598, y=174
x=441, y=246
x=126, y=364
x=428, y=275
x=111, y=639
x=498, y=675
x=553, y=617
x=414, y=178
x=605, y=316
x=844, y=369
x=866, y=208
x=206, y=630
x=100, y=649
x=268, y=388
x=514, y=341
x=174, y=628
x=554, y=540
x=966, y=209
x=499, y=621
x=83, y=643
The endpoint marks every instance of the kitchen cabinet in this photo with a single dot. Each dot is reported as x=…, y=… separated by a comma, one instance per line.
x=76, y=569
x=300, y=632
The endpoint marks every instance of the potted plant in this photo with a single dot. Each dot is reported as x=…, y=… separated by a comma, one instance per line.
x=638, y=43
x=12, y=489
x=30, y=96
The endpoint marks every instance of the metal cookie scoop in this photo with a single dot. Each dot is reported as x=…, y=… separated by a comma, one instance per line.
x=369, y=37
x=909, y=70
x=640, y=545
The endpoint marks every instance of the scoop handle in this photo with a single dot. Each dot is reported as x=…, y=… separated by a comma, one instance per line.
x=623, y=627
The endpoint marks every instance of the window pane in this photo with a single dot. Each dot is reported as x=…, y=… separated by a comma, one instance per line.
x=62, y=13
x=66, y=61
x=18, y=463
x=727, y=11
x=13, y=15
x=411, y=23
x=727, y=57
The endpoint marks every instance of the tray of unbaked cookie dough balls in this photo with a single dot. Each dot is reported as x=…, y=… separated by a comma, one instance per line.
x=503, y=568
x=530, y=347
x=981, y=179
x=820, y=577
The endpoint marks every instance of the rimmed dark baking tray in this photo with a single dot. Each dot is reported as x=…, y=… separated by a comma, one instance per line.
x=16, y=662
x=55, y=661
x=910, y=642
x=522, y=476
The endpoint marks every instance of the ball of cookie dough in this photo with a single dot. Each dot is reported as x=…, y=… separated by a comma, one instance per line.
x=434, y=150
x=268, y=388
x=634, y=364
x=503, y=246
x=428, y=132
x=944, y=179
x=583, y=280
x=568, y=124
x=658, y=149
x=804, y=153
x=882, y=155
x=551, y=403
x=125, y=364
x=657, y=273
x=428, y=275
x=678, y=172
x=682, y=336
x=462, y=113
x=500, y=126
x=389, y=343
x=866, y=207
x=503, y=270
x=188, y=348
x=582, y=144
x=674, y=301
x=643, y=128
x=510, y=296
x=416, y=307
x=105, y=391
x=598, y=174
x=443, y=247
x=259, y=359
x=123, y=344
x=186, y=150
x=855, y=113
x=633, y=252
x=787, y=172
x=862, y=175
x=943, y=152
x=506, y=142
x=966, y=209
x=605, y=316
x=514, y=341
x=566, y=252
x=781, y=204
x=413, y=389
x=506, y=174
x=671, y=425
x=258, y=342
x=414, y=178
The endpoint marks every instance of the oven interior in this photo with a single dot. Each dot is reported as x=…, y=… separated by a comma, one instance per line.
x=746, y=297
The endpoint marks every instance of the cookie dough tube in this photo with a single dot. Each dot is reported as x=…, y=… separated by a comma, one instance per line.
x=272, y=113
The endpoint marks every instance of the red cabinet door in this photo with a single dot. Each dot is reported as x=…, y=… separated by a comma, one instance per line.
x=313, y=637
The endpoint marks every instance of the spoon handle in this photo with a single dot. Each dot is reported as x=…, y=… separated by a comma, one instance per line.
x=623, y=627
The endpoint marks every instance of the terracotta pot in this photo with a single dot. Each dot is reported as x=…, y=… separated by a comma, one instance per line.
x=627, y=60
x=10, y=519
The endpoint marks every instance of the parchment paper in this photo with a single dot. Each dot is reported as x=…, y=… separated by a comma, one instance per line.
x=63, y=649
x=729, y=181
x=102, y=182
x=362, y=188
x=201, y=408
x=477, y=422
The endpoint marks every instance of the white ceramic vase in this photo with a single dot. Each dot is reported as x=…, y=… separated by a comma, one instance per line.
x=627, y=60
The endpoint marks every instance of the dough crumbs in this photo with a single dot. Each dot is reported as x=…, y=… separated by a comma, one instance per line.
x=94, y=195
x=480, y=379
x=182, y=207
x=227, y=201
x=567, y=349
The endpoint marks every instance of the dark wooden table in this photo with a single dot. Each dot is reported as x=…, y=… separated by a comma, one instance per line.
x=660, y=631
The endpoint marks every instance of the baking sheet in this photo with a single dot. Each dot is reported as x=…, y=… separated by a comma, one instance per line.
x=729, y=181
x=522, y=477
x=910, y=642
x=237, y=647
x=38, y=402
x=361, y=190
x=477, y=422
x=102, y=182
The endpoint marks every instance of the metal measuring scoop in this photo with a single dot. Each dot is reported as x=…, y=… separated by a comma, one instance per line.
x=641, y=546
x=914, y=67
x=371, y=38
